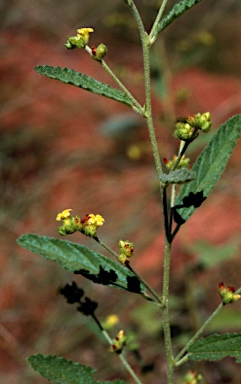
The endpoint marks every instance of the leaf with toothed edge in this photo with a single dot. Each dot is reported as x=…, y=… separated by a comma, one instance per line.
x=80, y=80
x=61, y=371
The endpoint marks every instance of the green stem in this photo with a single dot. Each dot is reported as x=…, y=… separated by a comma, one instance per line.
x=152, y=36
x=148, y=106
x=197, y=334
x=136, y=105
x=165, y=311
x=122, y=359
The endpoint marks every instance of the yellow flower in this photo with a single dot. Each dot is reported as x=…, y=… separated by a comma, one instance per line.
x=84, y=33
x=97, y=220
x=112, y=320
x=63, y=215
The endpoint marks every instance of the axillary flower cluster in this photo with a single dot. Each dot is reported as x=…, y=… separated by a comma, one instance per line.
x=70, y=224
x=81, y=40
x=228, y=294
x=187, y=129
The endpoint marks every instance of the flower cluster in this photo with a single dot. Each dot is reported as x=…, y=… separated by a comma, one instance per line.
x=119, y=342
x=88, y=226
x=184, y=162
x=228, y=294
x=187, y=129
x=80, y=40
x=126, y=251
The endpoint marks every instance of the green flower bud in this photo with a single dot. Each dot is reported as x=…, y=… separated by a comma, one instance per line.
x=99, y=52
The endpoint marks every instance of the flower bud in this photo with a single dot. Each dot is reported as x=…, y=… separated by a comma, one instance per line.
x=99, y=52
x=119, y=342
x=126, y=251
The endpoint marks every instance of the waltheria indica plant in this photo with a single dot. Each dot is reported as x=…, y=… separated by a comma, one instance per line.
x=195, y=186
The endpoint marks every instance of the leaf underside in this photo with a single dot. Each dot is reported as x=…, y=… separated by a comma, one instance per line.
x=209, y=166
x=79, y=259
x=180, y=176
x=216, y=347
x=80, y=80
x=61, y=371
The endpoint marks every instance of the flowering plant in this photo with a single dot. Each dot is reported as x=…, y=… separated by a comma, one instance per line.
x=195, y=186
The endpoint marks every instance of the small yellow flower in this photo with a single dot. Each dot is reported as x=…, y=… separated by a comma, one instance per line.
x=112, y=320
x=97, y=220
x=63, y=215
x=84, y=33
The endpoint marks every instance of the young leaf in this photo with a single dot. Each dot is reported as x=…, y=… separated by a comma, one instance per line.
x=69, y=76
x=79, y=259
x=216, y=347
x=176, y=12
x=61, y=371
x=180, y=176
x=209, y=166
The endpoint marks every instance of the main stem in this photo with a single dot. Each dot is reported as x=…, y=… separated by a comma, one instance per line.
x=166, y=274
x=165, y=311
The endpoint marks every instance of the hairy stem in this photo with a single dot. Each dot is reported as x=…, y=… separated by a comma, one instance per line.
x=148, y=106
x=165, y=311
x=152, y=36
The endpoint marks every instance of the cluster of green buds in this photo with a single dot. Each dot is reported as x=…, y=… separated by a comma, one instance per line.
x=126, y=251
x=118, y=342
x=228, y=294
x=70, y=224
x=187, y=128
x=80, y=40
x=192, y=377
x=183, y=163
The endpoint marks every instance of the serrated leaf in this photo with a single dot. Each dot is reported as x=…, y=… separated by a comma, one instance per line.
x=209, y=166
x=75, y=258
x=216, y=347
x=177, y=11
x=61, y=371
x=180, y=176
x=80, y=80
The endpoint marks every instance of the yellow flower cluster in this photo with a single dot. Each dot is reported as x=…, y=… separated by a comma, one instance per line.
x=88, y=226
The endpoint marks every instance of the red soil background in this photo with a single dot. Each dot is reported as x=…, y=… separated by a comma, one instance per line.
x=55, y=155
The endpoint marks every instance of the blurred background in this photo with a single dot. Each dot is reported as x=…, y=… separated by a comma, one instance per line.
x=61, y=147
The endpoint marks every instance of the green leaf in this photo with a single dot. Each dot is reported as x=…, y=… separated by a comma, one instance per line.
x=61, y=371
x=209, y=166
x=79, y=259
x=177, y=11
x=70, y=76
x=216, y=347
x=180, y=176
